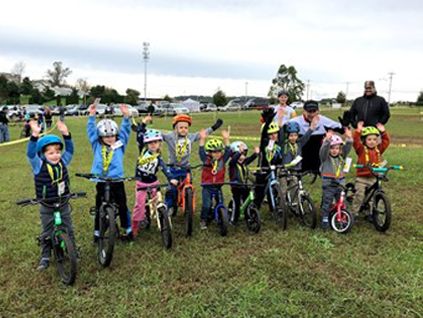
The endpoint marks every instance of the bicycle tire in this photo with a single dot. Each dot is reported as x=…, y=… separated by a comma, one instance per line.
x=66, y=259
x=344, y=225
x=165, y=228
x=147, y=217
x=381, y=218
x=222, y=221
x=307, y=211
x=189, y=212
x=280, y=209
x=252, y=218
x=106, y=241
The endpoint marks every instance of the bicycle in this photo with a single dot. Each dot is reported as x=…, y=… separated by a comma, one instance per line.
x=220, y=212
x=341, y=220
x=64, y=250
x=156, y=208
x=108, y=212
x=247, y=209
x=375, y=202
x=276, y=199
x=186, y=198
x=298, y=200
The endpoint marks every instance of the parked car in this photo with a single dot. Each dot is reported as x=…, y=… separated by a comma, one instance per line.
x=142, y=108
x=132, y=110
x=34, y=109
x=179, y=108
x=14, y=112
x=230, y=106
x=256, y=103
x=210, y=107
x=82, y=109
x=297, y=104
x=72, y=110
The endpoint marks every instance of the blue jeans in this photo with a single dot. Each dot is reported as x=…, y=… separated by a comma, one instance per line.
x=4, y=133
x=207, y=194
x=330, y=192
x=171, y=196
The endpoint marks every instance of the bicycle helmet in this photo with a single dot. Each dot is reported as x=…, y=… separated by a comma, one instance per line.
x=292, y=127
x=152, y=135
x=273, y=128
x=214, y=145
x=181, y=118
x=370, y=130
x=47, y=140
x=107, y=128
x=336, y=140
x=235, y=146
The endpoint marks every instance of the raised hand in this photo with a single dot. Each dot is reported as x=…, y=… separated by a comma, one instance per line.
x=315, y=122
x=35, y=128
x=61, y=126
x=329, y=134
x=147, y=119
x=348, y=133
x=360, y=126
x=203, y=134
x=124, y=109
x=257, y=150
x=381, y=127
x=92, y=109
x=225, y=134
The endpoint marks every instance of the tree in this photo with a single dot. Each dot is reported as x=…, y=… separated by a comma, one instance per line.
x=57, y=76
x=13, y=90
x=36, y=97
x=18, y=70
x=286, y=79
x=132, y=96
x=219, y=98
x=26, y=86
x=97, y=91
x=83, y=87
x=73, y=98
x=341, y=98
x=4, y=92
x=48, y=94
x=167, y=98
x=420, y=99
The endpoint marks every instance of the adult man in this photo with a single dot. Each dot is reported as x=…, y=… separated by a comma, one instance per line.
x=369, y=108
x=4, y=128
x=310, y=151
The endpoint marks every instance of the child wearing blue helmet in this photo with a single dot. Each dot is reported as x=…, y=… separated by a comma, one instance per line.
x=148, y=163
x=51, y=177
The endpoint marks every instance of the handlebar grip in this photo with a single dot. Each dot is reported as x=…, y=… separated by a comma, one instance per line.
x=358, y=165
x=24, y=202
x=80, y=194
x=397, y=167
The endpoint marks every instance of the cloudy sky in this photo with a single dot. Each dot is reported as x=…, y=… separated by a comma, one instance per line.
x=199, y=46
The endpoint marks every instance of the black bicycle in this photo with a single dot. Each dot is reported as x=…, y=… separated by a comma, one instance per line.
x=376, y=204
x=108, y=213
x=64, y=250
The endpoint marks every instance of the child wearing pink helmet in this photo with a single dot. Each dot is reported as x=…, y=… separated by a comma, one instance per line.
x=333, y=153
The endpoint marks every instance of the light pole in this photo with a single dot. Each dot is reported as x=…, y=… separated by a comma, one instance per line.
x=146, y=57
x=391, y=74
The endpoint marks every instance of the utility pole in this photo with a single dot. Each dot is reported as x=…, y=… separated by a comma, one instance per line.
x=246, y=90
x=391, y=74
x=346, y=90
x=308, y=89
x=146, y=57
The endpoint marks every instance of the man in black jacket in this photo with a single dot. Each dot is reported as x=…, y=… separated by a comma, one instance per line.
x=4, y=129
x=370, y=108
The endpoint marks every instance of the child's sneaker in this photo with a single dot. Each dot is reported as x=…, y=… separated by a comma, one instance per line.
x=43, y=265
x=325, y=223
x=95, y=239
x=203, y=225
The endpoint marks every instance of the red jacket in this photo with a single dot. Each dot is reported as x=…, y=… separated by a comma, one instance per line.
x=374, y=156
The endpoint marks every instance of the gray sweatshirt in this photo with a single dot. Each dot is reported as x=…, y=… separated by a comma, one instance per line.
x=332, y=167
x=179, y=148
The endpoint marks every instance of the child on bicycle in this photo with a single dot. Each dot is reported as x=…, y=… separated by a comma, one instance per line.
x=108, y=145
x=238, y=174
x=214, y=154
x=369, y=150
x=332, y=157
x=271, y=142
x=51, y=177
x=149, y=161
x=179, y=144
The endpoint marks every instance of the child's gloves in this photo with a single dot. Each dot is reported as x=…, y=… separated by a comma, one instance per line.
x=217, y=124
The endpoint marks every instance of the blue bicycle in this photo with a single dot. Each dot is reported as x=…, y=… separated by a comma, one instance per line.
x=220, y=212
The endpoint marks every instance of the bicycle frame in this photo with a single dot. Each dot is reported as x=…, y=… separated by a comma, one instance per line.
x=182, y=187
x=271, y=181
x=247, y=202
x=155, y=203
x=217, y=197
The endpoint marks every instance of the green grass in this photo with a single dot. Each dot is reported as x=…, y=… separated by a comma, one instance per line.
x=297, y=273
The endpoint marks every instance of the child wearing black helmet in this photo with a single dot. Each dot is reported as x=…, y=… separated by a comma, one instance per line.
x=49, y=167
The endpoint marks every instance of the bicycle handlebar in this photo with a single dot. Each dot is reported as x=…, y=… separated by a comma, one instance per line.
x=75, y=195
x=236, y=184
x=379, y=169
x=152, y=187
x=106, y=179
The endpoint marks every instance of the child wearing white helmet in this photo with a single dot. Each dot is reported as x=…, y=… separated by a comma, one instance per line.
x=332, y=157
x=238, y=174
x=49, y=166
x=148, y=163
x=108, y=144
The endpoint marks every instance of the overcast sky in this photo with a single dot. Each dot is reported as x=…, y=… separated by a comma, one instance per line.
x=199, y=46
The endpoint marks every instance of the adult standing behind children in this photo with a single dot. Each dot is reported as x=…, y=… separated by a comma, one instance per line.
x=370, y=108
x=282, y=110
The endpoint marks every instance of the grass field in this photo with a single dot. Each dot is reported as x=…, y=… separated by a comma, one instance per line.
x=296, y=273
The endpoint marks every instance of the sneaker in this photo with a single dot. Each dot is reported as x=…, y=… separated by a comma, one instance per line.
x=95, y=240
x=203, y=225
x=43, y=265
x=325, y=223
x=127, y=238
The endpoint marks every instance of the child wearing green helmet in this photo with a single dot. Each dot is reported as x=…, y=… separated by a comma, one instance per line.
x=214, y=154
x=369, y=144
x=49, y=166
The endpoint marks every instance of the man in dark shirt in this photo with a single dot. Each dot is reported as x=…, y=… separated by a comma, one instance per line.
x=4, y=128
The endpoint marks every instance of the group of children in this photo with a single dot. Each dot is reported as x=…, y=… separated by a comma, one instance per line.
x=280, y=143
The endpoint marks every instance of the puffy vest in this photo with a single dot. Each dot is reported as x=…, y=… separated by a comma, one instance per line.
x=210, y=176
x=48, y=179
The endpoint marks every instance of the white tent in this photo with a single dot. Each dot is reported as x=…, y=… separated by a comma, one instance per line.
x=192, y=105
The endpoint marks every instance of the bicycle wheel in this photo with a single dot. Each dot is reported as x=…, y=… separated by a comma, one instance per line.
x=147, y=217
x=308, y=213
x=222, y=221
x=66, y=260
x=231, y=211
x=342, y=223
x=280, y=209
x=106, y=241
x=165, y=227
x=189, y=211
x=252, y=218
x=382, y=213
